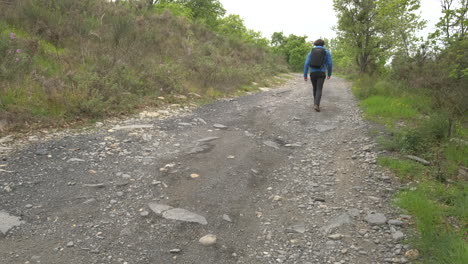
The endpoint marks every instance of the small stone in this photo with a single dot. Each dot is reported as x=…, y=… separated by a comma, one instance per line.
x=395, y=222
x=194, y=176
x=335, y=236
x=208, y=139
x=42, y=152
x=398, y=235
x=70, y=244
x=175, y=251
x=208, y=240
x=144, y=213
x=227, y=218
x=98, y=185
x=28, y=206
x=277, y=198
x=412, y=254
x=219, y=126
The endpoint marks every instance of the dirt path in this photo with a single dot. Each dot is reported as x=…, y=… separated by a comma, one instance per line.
x=275, y=181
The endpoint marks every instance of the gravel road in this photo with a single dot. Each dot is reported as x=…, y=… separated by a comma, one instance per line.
x=268, y=178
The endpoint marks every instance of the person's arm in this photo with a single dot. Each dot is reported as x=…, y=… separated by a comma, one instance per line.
x=329, y=64
x=306, y=66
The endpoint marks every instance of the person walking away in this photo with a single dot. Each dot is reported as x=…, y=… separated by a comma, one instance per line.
x=319, y=61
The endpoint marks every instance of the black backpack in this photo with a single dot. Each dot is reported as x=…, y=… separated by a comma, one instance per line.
x=317, y=57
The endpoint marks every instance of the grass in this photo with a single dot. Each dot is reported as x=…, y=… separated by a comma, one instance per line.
x=84, y=65
x=441, y=214
x=439, y=203
x=389, y=110
x=404, y=169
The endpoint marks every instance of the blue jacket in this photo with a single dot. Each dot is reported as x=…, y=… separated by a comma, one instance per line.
x=327, y=65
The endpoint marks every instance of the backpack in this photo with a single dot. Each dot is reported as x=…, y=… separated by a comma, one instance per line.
x=317, y=58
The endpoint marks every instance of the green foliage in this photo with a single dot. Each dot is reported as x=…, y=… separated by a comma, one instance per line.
x=232, y=26
x=75, y=63
x=369, y=30
x=175, y=9
x=421, y=99
x=389, y=110
x=441, y=214
x=293, y=48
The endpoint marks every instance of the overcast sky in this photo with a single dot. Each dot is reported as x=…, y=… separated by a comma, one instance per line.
x=313, y=18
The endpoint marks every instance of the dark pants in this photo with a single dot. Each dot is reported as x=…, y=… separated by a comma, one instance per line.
x=317, y=78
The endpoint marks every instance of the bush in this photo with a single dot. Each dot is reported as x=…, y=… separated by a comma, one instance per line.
x=76, y=63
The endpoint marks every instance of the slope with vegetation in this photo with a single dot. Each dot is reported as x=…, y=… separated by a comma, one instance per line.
x=64, y=60
x=417, y=89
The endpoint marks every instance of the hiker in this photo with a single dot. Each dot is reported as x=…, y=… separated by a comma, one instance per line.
x=319, y=60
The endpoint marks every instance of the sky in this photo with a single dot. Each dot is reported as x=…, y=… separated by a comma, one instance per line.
x=312, y=18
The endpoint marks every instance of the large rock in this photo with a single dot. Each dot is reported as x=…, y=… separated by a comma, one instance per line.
x=376, y=218
x=336, y=222
x=159, y=208
x=8, y=221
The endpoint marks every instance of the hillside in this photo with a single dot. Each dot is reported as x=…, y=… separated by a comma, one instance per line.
x=66, y=61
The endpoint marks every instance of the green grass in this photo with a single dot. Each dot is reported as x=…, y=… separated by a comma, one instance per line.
x=441, y=214
x=404, y=169
x=389, y=110
x=440, y=210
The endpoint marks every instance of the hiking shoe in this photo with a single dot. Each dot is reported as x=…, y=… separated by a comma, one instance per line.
x=316, y=108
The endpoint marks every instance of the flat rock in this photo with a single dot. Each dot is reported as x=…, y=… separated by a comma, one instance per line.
x=336, y=222
x=220, y=126
x=207, y=139
x=8, y=221
x=184, y=216
x=395, y=222
x=131, y=127
x=75, y=160
x=270, y=143
x=200, y=149
x=97, y=185
x=376, y=219
x=159, y=208
x=299, y=228
x=324, y=128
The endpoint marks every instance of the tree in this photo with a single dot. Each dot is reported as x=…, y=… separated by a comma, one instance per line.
x=453, y=24
x=207, y=11
x=293, y=48
x=374, y=28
